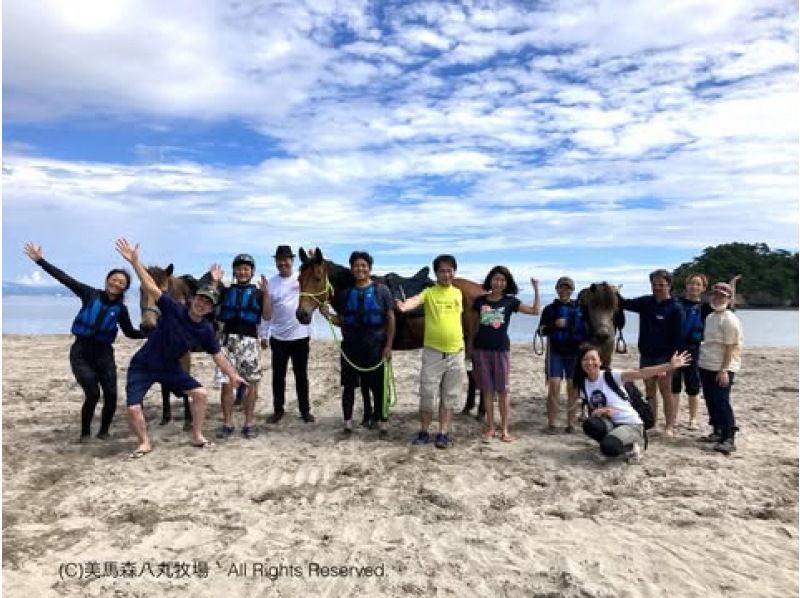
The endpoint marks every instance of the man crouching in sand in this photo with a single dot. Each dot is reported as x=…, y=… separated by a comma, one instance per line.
x=179, y=328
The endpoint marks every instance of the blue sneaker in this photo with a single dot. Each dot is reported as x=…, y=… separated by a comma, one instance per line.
x=441, y=441
x=249, y=432
x=224, y=432
x=422, y=438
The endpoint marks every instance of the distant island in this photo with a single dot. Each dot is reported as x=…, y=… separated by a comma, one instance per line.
x=769, y=278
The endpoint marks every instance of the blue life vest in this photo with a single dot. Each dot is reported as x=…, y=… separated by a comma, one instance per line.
x=362, y=308
x=241, y=303
x=97, y=320
x=692, y=324
x=575, y=331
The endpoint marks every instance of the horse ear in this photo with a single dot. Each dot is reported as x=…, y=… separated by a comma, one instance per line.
x=303, y=256
x=593, y=287
x=317, y=255
x=169, y=269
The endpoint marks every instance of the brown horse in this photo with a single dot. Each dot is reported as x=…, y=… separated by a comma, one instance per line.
x=600, y=303
x=181, y=289
x=322, y=280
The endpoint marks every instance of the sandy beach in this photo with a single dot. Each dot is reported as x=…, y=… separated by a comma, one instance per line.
x=290, y=512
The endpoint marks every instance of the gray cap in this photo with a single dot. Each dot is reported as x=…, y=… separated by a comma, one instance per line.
x=210, y=293
x=567, y=281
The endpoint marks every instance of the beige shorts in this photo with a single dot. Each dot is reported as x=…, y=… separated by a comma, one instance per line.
x=440, y=378
x=244, y=353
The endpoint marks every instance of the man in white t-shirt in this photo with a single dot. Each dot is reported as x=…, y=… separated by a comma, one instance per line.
x=288, y=339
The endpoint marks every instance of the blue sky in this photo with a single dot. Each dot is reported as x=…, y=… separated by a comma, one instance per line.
x=598, y=139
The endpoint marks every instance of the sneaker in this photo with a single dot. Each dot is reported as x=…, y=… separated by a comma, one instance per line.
x=348, y=426
x=308, y=418
x=249, y=432
x=441, y=441
x=725, y=446
x=692, y=425
x=713, y=437
x=102, y=436
x=635, y=455
x=550, y=429
x=422, y=438
x=275, y=418
x=569, y=430
x=224, y=432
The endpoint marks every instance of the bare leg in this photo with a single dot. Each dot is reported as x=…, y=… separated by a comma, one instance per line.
x=425, y=419
x=502, y=400
x=488, y=407
x=139, y=427
x=694, y=402
x=553, y=395
x=226, y=397
x=199, y=398
x=670, y=404
x=572, y=404
x=250, y=405
x=445, y=415
x=650, y=386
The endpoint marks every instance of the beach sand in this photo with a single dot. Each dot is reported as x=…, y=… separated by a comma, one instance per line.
x=536, y=517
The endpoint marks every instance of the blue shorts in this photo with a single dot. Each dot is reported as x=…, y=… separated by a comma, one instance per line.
x=140, y=379
x=561, y=366
x=647, y=360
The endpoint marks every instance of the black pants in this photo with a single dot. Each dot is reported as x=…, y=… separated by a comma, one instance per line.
x=371, y=383
x=282, y=352
x=94, y=369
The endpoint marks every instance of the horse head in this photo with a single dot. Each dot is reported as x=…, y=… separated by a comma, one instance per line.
x=600, y=302
x=147, y=305
x=315, y=286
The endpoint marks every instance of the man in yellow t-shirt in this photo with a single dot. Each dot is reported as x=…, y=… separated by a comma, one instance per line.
x=442, y=372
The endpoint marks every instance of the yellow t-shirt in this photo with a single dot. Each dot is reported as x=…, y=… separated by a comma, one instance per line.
x=443, y=307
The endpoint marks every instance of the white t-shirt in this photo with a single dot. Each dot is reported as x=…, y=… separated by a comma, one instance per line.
x=285, y=295
x=721, y=328
x=601, y=395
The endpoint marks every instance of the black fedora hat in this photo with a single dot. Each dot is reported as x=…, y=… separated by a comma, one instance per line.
x=283, y=251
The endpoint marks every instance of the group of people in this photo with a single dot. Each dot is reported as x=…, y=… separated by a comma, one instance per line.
x=681, y=340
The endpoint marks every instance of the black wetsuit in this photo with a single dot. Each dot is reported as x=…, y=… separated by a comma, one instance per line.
x=92, y=358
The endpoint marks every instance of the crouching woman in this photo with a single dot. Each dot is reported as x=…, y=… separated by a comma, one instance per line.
x=613, y=422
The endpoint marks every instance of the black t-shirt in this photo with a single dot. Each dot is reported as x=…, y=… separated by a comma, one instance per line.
x=493, y=320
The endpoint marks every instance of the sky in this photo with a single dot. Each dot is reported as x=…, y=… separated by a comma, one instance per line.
x=599, y=139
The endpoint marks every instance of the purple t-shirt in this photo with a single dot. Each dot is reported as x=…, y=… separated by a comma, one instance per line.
x=175, y=334
x=493, y=320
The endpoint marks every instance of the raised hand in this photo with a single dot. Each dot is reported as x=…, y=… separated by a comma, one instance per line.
x=216, y=272
x=130, y=253
x=680, y=359
x=264, y=284
x=33, y=251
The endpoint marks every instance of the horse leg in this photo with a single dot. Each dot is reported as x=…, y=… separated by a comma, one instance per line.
x=166, y=408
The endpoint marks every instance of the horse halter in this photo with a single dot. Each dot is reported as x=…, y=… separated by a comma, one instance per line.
x=327, y=289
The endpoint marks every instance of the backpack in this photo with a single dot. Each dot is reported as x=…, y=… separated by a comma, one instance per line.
x=633, y=395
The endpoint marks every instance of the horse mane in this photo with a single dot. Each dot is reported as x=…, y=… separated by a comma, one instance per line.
x=599, y=295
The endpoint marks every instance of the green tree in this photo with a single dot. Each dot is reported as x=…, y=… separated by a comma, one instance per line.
x=769, y=278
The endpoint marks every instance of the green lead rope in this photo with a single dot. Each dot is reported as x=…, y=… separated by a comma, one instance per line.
x=389, y=389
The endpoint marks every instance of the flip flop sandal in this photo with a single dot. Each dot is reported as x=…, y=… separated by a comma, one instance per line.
x=138, y=454
x=207, y=444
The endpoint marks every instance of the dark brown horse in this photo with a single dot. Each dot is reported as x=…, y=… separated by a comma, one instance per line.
x=180, y=288
x=322, y=280
x=600, y=303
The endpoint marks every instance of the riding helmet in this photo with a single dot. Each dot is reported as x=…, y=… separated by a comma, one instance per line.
x=244, y=258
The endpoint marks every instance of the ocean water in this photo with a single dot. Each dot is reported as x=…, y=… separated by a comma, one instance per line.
x=24, y=314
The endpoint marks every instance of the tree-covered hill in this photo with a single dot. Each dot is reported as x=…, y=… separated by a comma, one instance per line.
x=769, y=278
